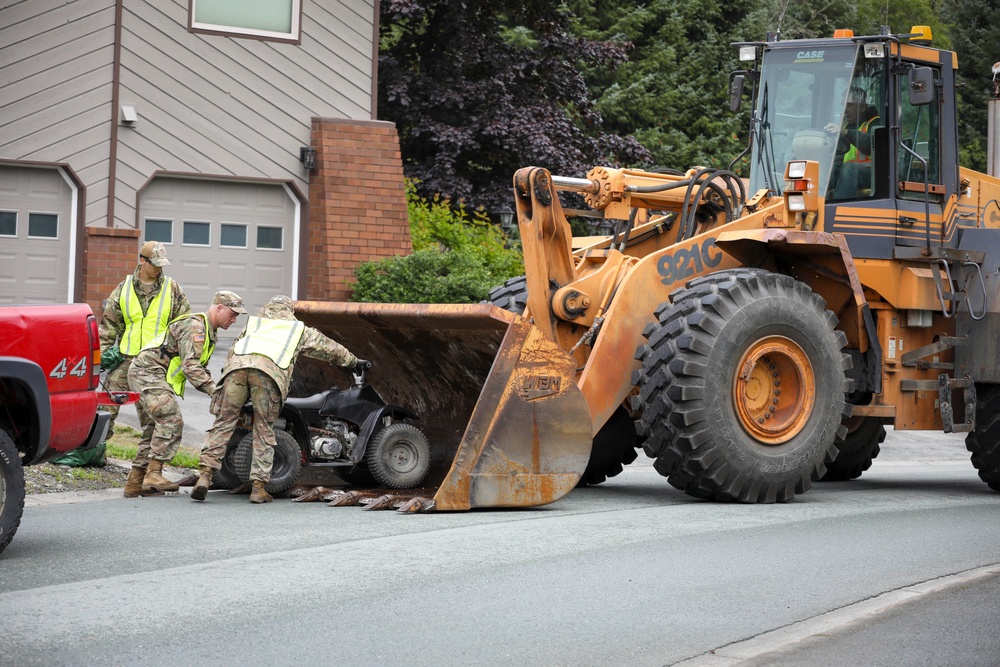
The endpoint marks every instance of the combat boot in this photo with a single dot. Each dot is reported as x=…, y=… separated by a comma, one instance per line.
x=200, y=490
x=154, y=481
x=133, y=485
x=259, y=493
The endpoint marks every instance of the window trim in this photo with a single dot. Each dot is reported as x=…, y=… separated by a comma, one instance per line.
x=145, y=230
x=258, y=247
x=197, y=245
x=294, y=36
x=17, y=218
x=246, y=235
x=27, y=229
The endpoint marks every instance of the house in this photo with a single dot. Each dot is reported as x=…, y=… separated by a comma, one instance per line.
x=240, y=133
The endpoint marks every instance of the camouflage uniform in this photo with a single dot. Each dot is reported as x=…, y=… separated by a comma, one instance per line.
x=257, y=377
x=159, y=413
x=112, y=327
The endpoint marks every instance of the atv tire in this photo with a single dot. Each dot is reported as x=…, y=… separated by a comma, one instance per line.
x=226, y=477
x=11, y=490
x=399, y=456
x=285, y=468
x=856, y=449
x=742, y=387
x=984, y=440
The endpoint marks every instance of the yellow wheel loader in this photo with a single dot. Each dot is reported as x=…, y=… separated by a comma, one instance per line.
x=752, y=336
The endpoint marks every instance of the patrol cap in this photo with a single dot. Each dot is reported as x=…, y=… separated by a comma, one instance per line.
x=280, y=307
x=230, y=300
x=155, y=253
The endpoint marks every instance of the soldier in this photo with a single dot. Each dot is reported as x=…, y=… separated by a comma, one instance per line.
x=260, y=366
x=180, y=353
x=135, y=313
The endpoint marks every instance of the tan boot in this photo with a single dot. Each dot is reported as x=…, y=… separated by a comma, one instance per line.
x=200, y=490
x=154, y=481
x=133, y=485
x=260, y=494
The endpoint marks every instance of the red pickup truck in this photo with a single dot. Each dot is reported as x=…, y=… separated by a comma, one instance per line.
x=50, y=366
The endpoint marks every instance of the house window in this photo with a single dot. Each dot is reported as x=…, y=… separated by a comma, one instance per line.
x=43, y=226
x=233, y=236
x=264, y=19
x=269, y=238
x=160, y=230
x=197, y=233
x=8, y=223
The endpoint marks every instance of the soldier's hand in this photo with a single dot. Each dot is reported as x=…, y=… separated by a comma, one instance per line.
x=362, y=365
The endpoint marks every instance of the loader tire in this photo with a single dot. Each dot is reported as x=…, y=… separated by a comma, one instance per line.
x=742, y=387
x=399, y=456
x=285, y=468
x=226, y=477
x=984, y=440
x=11, y=490
x=512, y=295
x=614, y=447
x=856, y=450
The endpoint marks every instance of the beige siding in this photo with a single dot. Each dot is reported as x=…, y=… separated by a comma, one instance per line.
x=56, y=87
x=223, y=106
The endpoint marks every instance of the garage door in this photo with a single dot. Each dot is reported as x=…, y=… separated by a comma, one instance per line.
x=37, y=236
x=222, y=235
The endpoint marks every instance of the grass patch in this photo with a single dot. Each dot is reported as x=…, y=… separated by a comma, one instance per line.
x=124, y=443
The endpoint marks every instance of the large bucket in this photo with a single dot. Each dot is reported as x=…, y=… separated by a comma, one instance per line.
x=498, y=400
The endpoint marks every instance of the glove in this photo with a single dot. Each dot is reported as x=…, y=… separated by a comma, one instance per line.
x=362, y=365
x=111, y=358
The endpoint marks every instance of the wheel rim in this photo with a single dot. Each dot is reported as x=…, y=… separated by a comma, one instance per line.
x=402, y=457
x=774, y=390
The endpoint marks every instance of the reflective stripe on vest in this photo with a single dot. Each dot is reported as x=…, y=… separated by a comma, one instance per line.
x=175, y=373
x=139, y=328
x=854, y=155
x=275, y=339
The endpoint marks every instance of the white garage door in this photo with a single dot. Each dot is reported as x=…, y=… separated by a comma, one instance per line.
x=36, y=236
x=223, y=235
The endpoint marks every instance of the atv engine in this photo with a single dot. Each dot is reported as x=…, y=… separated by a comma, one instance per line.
x=334, y=441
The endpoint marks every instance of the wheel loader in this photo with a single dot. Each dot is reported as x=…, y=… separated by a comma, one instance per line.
x=751, y=335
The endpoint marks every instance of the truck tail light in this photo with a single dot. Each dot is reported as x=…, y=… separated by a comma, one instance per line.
x=95, y=352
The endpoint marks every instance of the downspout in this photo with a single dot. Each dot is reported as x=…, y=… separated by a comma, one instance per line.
x=113, y=153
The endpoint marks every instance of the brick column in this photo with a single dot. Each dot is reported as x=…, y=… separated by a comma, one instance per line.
x=110, y=254
x=357, y=203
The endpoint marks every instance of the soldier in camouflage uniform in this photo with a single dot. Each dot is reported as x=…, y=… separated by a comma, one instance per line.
x=135, y=313
x=259, y=367
x=158, y=373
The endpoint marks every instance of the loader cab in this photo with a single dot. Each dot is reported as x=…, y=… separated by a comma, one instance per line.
x=848, y=104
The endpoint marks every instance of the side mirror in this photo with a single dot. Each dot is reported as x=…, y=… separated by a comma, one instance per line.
x=921, y=86
x=736, y=81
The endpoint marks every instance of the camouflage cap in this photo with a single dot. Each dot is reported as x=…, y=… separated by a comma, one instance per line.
x=230, y=300
x=280, y=307
x=155, y=253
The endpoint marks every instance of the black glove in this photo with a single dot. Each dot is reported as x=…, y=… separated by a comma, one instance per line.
x=362, y=365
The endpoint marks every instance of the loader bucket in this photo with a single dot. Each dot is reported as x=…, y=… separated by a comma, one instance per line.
x=498, y=400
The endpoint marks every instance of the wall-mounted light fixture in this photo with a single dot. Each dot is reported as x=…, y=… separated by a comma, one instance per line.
x=307, y=156
x=128, y=115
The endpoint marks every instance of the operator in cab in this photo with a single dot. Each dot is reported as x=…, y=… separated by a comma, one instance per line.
x=856, y=134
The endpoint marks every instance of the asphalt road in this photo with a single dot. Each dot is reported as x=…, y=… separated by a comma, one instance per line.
x=628, y=573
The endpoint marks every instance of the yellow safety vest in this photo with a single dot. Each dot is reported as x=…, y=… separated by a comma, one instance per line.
x=175, y=373
x=139, y=328
x=275, y=339
x=854, y=155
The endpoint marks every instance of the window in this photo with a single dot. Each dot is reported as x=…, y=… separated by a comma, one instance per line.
x=266, y=19
x=919, y=132
x=8, y=223
x=197, y=233
x=270, y=238
x=43, y=225
x=160, y=230
x=233, y=236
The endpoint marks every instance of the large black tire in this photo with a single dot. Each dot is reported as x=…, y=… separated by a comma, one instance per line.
x=356, y=475
x=614, y=447
x=11, y=490
x=226, y=477
x=984, y=440
x=284, y=470
x=856, y=449
x=734, y=350
x=399, y=456
x=512, y=295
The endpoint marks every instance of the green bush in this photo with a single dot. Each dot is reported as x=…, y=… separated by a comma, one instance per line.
x=458, y=257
